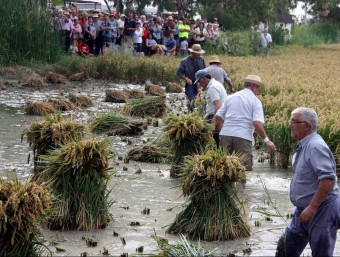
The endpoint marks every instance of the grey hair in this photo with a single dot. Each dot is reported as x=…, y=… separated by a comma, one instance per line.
x=309, y=115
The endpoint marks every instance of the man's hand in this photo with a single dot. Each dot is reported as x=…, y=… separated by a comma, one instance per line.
x=307, y=214
x=271, y=145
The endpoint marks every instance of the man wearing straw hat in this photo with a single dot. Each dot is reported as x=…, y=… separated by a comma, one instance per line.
x=239, y=116
x=186, y=71
x=215, y=96
x=219, y=73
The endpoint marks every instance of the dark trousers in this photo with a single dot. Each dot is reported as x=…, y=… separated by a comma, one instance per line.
x=66, y=39
x=98, y=45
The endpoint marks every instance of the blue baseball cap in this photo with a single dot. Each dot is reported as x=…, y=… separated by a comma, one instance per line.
x=200, y=74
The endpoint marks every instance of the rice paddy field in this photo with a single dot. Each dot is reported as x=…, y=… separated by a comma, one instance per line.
x=145, y=198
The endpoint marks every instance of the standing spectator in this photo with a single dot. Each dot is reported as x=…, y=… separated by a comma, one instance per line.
x=192, y=35
x=129, y=30
x=184, y=47
x=201, y=33
x=106, y=30
x=215, y=96
x=169, y=27
x=313, y=191
x=142, y=20
x=138, y=40
x=82, y=19
x=183, y=30
x=98, y=42
x=156, y=30
x=76, y=34
x=114, y=26
x=266, y=41
x=216, y=23
x=146, y=32
x=120, y=29
x=66, y=26
x=242, y=112
x=186, y=71
x=219, y=73
x=210, y=34
x=90, y=34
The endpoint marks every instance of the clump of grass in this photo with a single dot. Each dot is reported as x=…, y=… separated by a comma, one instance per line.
x=213, y=211
x=153, y=89
x=147, y=153
x=115, y=124
x=22, y=206
x=148, y=106
x=186, y=135
x=50, y=133
x=78, y=174
x=81, y=100
x=182, y=248
x=134, y=93
x=62, y=104
x=39, y=108
x=115, y=96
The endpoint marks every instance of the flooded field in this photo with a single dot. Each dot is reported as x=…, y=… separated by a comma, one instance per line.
x=267, y=187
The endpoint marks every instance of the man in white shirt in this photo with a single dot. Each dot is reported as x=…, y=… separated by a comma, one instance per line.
x=215, y=95
x=241, y=114
x=266, y=41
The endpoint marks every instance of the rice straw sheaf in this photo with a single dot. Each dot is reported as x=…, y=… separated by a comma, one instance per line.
x=62, y=104
x=153, y=89
x=22, y=206
x=148, y=106
x=78, y=174
x=39, y=108
x=134, y=93
x=147, y=153
x=81, y=100
x=187, y=135
x=113, y=123
x=213, y=210
x=115, y=96
x=52, y=132
x=173, y=88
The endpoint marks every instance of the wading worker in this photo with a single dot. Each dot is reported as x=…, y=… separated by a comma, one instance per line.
x=313, y=191
x=186, y=71
x=239, y=116
x=214, y=97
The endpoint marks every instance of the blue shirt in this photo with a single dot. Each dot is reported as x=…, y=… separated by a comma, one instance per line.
x=312, y=162
x=170, y=44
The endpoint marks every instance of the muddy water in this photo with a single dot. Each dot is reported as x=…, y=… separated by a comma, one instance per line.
x=153, y=188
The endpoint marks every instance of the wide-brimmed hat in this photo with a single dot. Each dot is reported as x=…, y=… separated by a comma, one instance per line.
x=95, y=16
x=196, y=48
x=200, y=74
x=214, y=59
x=254, y=79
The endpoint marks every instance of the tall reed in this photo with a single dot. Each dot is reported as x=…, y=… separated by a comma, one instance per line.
x=26, y=33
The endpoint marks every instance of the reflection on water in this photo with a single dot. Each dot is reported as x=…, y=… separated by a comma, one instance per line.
x=266, y=187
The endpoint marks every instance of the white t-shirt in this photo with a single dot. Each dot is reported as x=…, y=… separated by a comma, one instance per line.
x=265, y=39
x=215, y=91
x=239, y=111
x=137, y=37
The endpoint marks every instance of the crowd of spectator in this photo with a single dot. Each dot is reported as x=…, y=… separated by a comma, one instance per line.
x=91, y=34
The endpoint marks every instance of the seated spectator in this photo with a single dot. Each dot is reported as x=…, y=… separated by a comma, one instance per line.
x=152, y=47
x=170, y=45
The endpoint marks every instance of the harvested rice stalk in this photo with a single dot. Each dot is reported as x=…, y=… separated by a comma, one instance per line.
x=79, y=173
x=187, y=135
x=148, y=106
x=115, y=124
x=39, y=108
x=115, y=96
x=153, y=89
x=147, y=153
x=173, y=88
x=182, y=248
x=22, y=206
x=52, y=132
x=81, y=100
x=214, y=211
x=134, y=93
x=62, y=104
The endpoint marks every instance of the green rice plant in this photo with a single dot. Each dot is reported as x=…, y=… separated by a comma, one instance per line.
x=186, y=135
x=115, y=124
x=182, y=248
x=78, y=175
x=213, y=210
x=22, y=206
x=27, y=34
x=148, y=106
x=50, y=133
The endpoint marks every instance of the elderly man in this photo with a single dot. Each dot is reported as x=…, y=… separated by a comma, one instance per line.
x=242, y=112
x=186, y=71
x=215, y=95
x=313, y=191
x=219, y=73
x=266, y=41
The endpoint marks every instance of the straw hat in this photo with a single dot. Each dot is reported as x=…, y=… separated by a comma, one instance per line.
x=196, y=48
x=95, y=16
x=254, y=79
x=214, y=59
